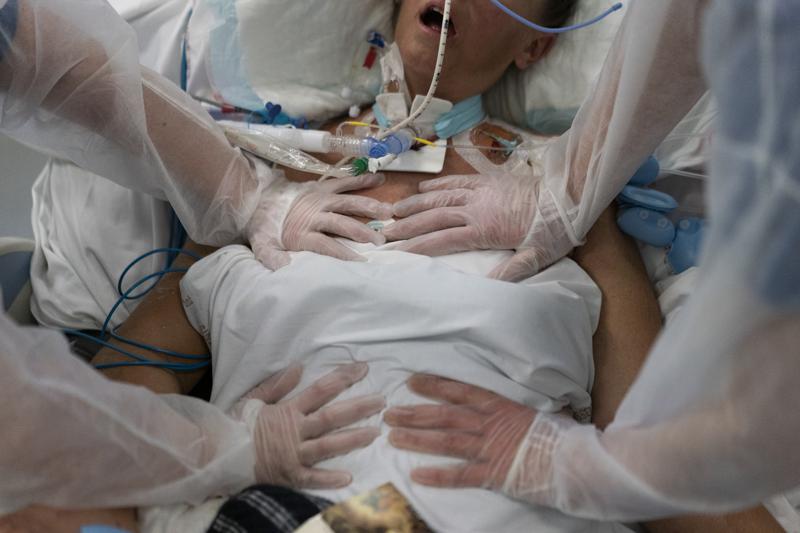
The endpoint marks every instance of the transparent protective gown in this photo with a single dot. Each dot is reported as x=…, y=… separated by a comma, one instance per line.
x=712, y=422
x=71, y=86
x=649, y=82
x=71, y=438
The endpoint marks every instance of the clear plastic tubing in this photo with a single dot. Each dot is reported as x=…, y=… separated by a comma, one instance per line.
x=323, y=142
x=355, y=146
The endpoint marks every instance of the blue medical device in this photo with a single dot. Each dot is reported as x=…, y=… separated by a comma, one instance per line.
x=647, y=173
x=643, y=215
x=516, y=16
x=646, y=225
x=685, y=250
x=101, y=529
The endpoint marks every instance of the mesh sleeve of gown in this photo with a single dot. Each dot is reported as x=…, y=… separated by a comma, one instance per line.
x=72, y=438
x=711, y=422
x=649, y=82
x=71, y=85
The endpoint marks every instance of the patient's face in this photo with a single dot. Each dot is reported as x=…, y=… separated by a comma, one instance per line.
x=481, y=44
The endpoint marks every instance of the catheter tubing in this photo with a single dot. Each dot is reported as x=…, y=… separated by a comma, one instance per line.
x=436, y=75
x=519, y=18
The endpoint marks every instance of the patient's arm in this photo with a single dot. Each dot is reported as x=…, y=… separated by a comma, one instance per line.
x=629, y=323
x=629, y=318
x=159, y=321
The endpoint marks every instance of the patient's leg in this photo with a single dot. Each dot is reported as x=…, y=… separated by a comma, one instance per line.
x=629, y=323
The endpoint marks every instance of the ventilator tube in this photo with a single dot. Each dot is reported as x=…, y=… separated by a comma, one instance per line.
x=323, y=142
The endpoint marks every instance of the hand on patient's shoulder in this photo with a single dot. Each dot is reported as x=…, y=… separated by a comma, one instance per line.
x=295, y=217
x=291, y=436
x=479, y=212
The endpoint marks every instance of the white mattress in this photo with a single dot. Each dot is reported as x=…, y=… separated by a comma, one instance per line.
x=404, y=313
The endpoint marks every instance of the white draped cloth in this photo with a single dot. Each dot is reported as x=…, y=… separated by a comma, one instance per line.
x=405, y=313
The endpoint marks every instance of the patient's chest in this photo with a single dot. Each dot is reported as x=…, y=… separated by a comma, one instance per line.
x=401, y=185
x=402, y=313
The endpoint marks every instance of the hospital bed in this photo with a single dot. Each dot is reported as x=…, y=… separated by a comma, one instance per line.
x=553, y=101
x=15, y=285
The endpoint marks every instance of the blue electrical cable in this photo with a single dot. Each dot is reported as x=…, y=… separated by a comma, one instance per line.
x=140, y=361
x=9, y=14
x=169, y=250
x=155, y=364
x=193, y=357
x=127, y=295
x=177, y=238
x=516, y=16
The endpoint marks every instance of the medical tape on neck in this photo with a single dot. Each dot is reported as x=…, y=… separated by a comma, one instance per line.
x=441, y=118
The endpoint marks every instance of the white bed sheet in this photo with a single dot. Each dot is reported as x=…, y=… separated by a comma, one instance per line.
x=402, y=313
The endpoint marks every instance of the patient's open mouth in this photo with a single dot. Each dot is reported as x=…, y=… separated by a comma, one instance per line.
x=433, y=17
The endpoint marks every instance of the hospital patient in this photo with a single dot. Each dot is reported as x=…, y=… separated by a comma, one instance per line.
x=545, y=341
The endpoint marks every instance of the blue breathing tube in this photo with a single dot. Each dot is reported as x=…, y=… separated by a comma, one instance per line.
x=516, y=16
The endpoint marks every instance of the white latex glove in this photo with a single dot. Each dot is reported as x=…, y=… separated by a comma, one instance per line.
x=478, y=426
x=308, y=216
x=480, y=212
x=291, y=436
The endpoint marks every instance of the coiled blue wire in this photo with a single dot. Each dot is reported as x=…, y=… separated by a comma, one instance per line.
x=516, y=16
x=202, y=359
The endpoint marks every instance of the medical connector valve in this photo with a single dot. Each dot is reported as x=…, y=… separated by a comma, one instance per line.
x=399, y=141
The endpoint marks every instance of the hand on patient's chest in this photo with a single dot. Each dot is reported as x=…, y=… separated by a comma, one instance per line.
x=398, y=185
x=401, y=185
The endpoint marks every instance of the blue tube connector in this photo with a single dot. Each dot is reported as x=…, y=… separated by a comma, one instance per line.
x=377, y=149
x=399, y=142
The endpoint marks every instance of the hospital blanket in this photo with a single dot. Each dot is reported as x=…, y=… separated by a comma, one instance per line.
x=403, y=313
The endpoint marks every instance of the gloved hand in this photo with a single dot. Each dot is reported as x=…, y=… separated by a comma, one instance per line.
x=291, y=436
x=482, y=212
x=306, y=217
x=505, y=445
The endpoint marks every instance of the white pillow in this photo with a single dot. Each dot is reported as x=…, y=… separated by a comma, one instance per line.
x=300, y=54
x=546, y=96
x=305, y=55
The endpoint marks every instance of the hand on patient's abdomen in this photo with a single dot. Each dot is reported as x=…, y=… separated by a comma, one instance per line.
x=291, y=436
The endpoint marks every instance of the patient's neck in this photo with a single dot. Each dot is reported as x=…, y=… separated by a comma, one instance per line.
x=419, y=85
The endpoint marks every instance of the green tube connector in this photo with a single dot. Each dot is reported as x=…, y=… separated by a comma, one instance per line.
x=360, y=165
